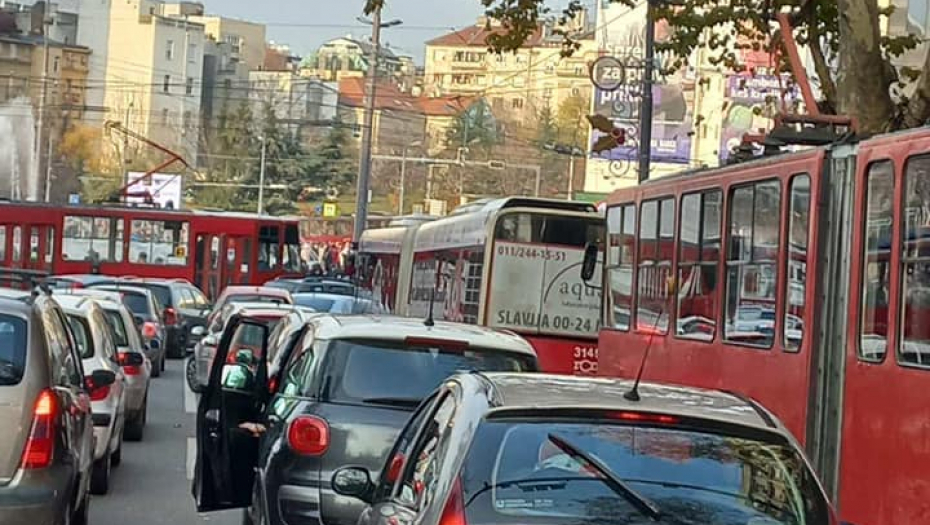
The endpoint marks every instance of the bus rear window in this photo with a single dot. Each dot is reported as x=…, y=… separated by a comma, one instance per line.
x=542, y=228
x=12, y=349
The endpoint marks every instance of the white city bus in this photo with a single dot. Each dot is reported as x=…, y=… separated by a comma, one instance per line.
x=510, y=263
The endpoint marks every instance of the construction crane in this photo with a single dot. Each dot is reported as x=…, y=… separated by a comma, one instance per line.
x=124, y=192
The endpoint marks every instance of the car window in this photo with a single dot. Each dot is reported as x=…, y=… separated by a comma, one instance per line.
x=107, y=344
x=418, y=485
x=162, y=293
x=184, y=298
x=137, y=303
x=689, y=475
x=296, y=377
x=63, y=346
x=402, y=446
x=368, y=369
x=115, y=320
x=200, y=300
x=82, y=335
x=12, y=349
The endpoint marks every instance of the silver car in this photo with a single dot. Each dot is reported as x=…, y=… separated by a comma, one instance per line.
x=95, y=342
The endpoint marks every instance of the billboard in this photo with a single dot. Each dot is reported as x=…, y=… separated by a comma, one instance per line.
x=752, y=101
x=166, y=189
x=672, y=115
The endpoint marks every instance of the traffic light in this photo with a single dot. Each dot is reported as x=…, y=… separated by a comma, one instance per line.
x=614, y=136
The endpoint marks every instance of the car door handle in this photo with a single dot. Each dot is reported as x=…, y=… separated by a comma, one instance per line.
x=213, y=416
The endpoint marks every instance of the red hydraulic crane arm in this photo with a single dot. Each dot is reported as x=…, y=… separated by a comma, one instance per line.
x=172, y=157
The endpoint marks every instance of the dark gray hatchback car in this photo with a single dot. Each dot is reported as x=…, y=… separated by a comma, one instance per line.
x=346, y=388
x=47, y=439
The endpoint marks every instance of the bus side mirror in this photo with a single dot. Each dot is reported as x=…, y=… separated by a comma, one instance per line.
x=590, y=262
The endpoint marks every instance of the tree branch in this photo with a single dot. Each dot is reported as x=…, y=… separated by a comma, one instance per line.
x=917, y=111
x=827, y=84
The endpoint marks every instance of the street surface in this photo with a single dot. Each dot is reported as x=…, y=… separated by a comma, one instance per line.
x=152, y=485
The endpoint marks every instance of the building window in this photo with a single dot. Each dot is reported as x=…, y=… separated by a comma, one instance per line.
x=698, y=260
x=186, y=119
x=654, y=265
x=165, y=114
x=519, y=82
x=517, y=103
x=876, y=283
x=621, y=232
x=189, y=86
x=55, y=65
x=192, y=53
x=799, y=218
x=752, y=263
x=915, y=264
x=166, y=86
x=169, y=50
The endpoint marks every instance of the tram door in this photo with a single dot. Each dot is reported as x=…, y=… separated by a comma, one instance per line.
x=27, y=246
x=238, y=258
x=208, y=267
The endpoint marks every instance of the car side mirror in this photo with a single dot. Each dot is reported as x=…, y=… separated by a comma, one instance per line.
x=354, y=482
x=198, y=331
x=590, y=262
x=99, y=379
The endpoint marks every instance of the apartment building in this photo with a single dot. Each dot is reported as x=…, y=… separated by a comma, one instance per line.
x=149, y=65
x=347, y=57
x=518, y=85
x=297, y=102
x=246, y=40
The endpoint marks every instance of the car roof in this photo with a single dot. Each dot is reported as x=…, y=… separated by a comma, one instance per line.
x=13, y=306
x=264, y=310
x=549, y=391
x=255, y=290
x=327, y=295
x=75, y=303
x=119, y=288
x=393, y=328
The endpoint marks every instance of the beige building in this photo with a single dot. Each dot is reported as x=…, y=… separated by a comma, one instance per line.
x=245, y=39
x=518, y=85
x=149, y=66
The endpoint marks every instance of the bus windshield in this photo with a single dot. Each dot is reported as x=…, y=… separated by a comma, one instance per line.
x=543, y=251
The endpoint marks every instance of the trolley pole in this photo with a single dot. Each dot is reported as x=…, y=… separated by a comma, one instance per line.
x=645, y=111
x=261, y=180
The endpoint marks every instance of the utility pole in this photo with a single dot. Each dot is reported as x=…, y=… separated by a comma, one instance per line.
x=364, y=164
x=261, y=181
x=571, y=175
x=40, y=125
x=48, y=171
x=403, y=182
x=645, y=110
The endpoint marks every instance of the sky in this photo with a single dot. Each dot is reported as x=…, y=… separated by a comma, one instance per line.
x=305, y=24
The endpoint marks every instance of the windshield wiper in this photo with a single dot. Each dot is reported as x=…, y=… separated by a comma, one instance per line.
x=393, y=401
x=613, y=481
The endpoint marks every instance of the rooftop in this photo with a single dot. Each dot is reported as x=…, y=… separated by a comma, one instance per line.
x=477, y=36
x=388, y=97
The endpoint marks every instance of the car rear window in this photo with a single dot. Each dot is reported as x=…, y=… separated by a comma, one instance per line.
x=119, y=328
x=320, y=304
x=367, y=370
x=82, y=335
x=137, y=303
x=517, y=474
x=255, y=298
x=12, y=349
x=161, y=292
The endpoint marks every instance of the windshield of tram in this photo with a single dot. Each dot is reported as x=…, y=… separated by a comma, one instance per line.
x=543, y=252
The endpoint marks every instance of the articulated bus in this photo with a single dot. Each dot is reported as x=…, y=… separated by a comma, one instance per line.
x=210, y=249
x=803, y=281
x=506, y=263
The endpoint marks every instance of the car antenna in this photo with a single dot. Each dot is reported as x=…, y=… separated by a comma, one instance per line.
x=633, y=393
x=429, y=320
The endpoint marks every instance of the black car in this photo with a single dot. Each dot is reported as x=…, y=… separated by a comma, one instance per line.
x=545, y=449
x=185, y=308
x=345, y=390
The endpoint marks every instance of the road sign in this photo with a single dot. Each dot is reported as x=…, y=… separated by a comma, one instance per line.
x=74, y=198
x=330, y=210
x=608, y=73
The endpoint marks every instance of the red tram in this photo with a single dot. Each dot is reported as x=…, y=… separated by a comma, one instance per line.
x=210, y=249
x=802, y=280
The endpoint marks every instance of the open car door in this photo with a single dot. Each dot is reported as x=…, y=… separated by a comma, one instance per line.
x=236, y=393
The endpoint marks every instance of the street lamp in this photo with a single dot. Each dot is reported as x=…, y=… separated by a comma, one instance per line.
x=403, y=175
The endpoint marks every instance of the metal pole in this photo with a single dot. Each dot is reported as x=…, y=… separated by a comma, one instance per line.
x=645, y=111
x=40, y=125
x=429, y=182
x=571, y=177
x=403, y=177
x=261, y=181
x=364, y=165
x=48, y=171
x=538, y=179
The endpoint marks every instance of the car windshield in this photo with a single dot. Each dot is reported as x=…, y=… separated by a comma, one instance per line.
x=689, y=476
x=367, y=370
x=115, y=321
x=82, y=336
x=12, y=349
x=284, y=285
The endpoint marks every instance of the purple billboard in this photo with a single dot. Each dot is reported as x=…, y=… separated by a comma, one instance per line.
x=752, y=101
x=671, y=127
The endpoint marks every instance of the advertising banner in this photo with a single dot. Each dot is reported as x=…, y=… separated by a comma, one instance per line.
x=752, y=101
x=538, y=289
x=166, y=189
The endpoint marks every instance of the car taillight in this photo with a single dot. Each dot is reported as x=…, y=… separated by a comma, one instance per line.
x=149, y=330
x=308, y=436
x=273, y=385
x=641, y=417
x=40, y=447
x=394, y=469
x=129, y=370
x=171, y=316
x=100, y=393
x=454, y=511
